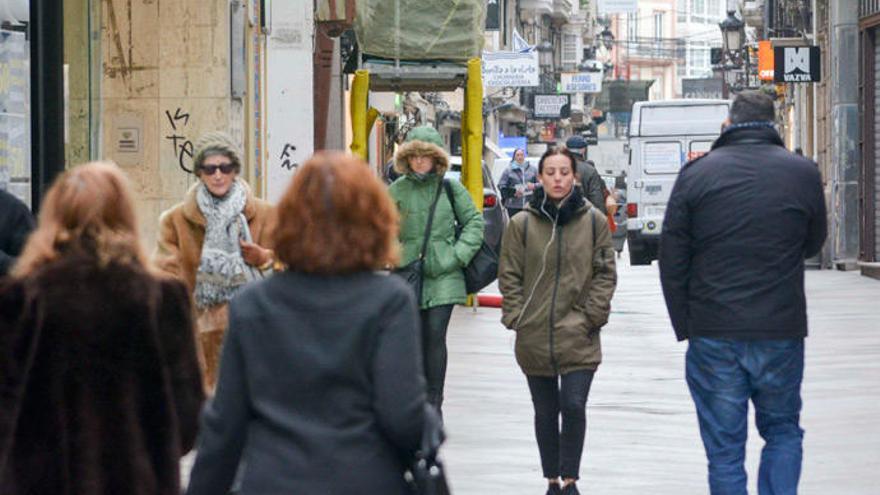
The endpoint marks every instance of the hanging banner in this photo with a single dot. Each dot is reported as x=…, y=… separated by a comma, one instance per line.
x=765, y=60
x=581, y=82
x=618, y=7
x=510, y=69
x=796, y=64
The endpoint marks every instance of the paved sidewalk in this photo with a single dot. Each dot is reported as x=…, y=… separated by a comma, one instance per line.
x=642, y=434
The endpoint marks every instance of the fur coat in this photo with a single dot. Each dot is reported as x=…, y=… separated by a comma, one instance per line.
x=100, y=388
x=179, y=250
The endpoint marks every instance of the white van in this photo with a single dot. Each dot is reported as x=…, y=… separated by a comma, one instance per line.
x=663, y=136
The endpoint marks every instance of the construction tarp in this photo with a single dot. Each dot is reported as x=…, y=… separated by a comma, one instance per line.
x=421, y=29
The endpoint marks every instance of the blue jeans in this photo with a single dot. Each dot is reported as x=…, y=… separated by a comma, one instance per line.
x=722, y=376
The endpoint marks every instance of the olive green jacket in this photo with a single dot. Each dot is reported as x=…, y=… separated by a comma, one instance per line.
x=446, y=256
x=557, y=330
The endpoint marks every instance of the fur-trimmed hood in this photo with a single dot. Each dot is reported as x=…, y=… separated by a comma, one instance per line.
x=420, y=148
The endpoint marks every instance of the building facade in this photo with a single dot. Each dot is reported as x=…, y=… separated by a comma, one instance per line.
x=696, y=24
x=647, y=47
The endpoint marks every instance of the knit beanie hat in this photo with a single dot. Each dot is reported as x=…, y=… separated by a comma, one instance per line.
x=215, y=142
x=427, y=134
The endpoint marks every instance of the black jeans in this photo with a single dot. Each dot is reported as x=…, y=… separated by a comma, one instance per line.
x=434, y=323
x=561, y=452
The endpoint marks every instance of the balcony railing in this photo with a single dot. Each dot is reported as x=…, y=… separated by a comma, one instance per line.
x=665, y=49
x=868, y=7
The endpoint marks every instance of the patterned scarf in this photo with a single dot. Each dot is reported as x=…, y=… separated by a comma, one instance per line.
x=222, y=270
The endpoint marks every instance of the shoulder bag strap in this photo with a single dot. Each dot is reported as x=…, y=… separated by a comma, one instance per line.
x=430, y=222
x=451, y=197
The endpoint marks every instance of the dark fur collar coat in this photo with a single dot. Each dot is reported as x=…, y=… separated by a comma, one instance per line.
x=100, y=387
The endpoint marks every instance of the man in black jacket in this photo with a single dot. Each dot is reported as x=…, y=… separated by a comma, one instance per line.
x=16, y=224
x=592, y=185
x=739, y=223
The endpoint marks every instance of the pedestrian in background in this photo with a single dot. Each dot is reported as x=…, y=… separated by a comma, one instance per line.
x=16, y=223
x=557, y=275
x=518, y=182
x=734, y=286
x=422, y=163
x=592, y=185
x=100, y=387
x=320, y=388
x=215, y=240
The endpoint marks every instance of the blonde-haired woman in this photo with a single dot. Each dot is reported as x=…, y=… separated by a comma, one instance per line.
x=215, y=241
x=99, y=380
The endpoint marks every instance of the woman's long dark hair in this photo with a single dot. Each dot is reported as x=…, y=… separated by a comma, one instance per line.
x=558, y=151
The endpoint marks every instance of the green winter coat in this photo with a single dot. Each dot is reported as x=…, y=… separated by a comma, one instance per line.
x=446, y=257
x=559, y=329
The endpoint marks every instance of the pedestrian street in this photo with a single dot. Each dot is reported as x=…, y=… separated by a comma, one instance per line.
x=642, y=434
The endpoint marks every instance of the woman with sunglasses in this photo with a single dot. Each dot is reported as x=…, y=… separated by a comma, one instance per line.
x=215, y=241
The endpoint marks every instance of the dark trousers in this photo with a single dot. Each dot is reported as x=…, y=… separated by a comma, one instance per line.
x=511, y=211
x=723, y=375
x=561, y=450
x=434, y=323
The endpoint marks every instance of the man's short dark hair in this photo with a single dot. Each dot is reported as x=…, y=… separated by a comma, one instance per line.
x=752, y=106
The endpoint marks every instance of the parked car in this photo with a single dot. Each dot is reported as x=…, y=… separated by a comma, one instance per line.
x=494, y=215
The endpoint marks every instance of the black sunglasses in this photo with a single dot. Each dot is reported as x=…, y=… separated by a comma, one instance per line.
x=226, y=169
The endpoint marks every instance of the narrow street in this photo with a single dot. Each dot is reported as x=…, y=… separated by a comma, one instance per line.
x=642, y=434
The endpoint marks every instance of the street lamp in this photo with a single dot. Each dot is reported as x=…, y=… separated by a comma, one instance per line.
x=607, y=38
x=732, y=32
x=545, y=55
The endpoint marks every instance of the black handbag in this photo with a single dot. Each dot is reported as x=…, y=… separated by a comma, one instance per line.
x=413, y=273
x=483, y=267
x=426, y=476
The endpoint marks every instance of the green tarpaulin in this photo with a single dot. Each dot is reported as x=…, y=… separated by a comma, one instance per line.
x=421, y=29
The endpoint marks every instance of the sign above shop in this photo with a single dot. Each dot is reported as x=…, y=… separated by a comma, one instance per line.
x=510, y=69
x=552, y=106
x=710, y=88
x=766, y=60
x=796, y=64
x=582, y=82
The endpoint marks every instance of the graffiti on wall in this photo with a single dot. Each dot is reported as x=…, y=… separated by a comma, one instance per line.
x=287, y=161
x=182, y=146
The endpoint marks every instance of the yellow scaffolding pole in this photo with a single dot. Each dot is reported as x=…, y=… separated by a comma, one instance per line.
x=472, y=133
x=360, y=90
x=472, y=139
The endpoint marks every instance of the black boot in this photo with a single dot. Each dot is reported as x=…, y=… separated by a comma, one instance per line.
x=570, y=489
x=553, y=489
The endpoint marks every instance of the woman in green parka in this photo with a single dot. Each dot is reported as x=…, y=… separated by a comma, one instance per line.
x=557, y=275
x=422, y=163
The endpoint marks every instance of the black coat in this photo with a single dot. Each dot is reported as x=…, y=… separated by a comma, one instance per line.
x=592, y=185
x=320, y=389
x=739, y=223
x=16, y=224
x=100, y=388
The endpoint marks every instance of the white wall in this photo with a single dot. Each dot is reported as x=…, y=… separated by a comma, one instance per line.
x=289, y=111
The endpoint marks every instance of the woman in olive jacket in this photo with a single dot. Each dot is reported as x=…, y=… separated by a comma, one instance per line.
x=423, y=163
x=557, y=275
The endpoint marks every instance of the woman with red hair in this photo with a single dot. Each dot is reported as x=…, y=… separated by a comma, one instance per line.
x=100, y=387
x=320, y=387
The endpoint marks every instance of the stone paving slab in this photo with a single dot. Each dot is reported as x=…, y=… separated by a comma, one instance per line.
x=642, y=434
